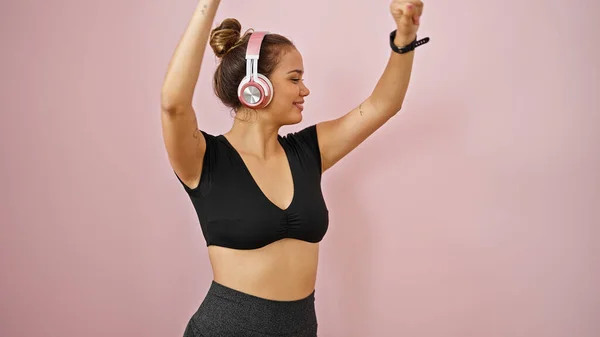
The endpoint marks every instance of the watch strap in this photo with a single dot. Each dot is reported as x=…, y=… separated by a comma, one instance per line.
x=409, y=47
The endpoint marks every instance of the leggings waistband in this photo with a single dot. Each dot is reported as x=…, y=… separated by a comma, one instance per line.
x=244, y=314
x=217, y=289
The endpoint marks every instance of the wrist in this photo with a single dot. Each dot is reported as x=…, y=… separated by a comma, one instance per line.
x=404, y=44
x=403, y=40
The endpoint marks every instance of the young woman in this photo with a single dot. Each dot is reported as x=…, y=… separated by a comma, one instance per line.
x=258, y=194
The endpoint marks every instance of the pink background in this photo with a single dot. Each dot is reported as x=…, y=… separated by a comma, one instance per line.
x=474, y=212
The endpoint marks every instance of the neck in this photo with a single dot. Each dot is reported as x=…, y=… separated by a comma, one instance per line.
x=254, y=136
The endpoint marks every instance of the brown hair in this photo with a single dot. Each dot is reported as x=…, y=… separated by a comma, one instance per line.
x=230, y=46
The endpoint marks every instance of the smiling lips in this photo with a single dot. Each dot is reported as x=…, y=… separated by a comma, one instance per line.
x=299, y=105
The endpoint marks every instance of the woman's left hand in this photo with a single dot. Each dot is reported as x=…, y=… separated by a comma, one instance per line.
x=407, y=14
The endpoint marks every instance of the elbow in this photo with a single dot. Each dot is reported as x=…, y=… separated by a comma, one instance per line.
x=388, y=107
x=392, y=107
x=395, y=109
x=172, y=103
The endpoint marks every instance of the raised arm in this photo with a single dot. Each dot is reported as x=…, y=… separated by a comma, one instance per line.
x=340, y=136
x=184, y=143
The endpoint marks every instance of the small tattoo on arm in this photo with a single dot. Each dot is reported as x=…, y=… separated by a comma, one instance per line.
x=360, y=110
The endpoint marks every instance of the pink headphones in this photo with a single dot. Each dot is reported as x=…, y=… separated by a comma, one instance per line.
x=255, y=90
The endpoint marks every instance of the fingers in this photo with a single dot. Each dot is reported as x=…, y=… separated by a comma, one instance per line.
x=409, y=11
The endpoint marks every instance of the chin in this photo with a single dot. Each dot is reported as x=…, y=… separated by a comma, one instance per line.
x=295, y=118
x=291, y=117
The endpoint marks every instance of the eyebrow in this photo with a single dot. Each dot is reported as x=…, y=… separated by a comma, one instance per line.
x=296, y=71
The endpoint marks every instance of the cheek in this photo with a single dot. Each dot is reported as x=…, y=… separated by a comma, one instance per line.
x=284, y=94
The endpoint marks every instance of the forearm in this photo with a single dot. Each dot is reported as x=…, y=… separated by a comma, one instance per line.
x=390, y=91
x=184, y=67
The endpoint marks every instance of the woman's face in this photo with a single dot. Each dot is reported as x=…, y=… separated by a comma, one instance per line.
x=288, y=90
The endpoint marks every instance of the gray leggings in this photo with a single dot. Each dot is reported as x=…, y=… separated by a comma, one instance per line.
x=226, y=312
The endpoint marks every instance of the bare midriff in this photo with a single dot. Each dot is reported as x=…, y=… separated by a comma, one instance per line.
x=285, y=270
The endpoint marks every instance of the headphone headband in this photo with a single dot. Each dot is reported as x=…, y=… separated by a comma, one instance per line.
x=253, y=49
x=252, y=54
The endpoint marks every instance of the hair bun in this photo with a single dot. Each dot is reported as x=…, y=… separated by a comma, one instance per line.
x=225, y=36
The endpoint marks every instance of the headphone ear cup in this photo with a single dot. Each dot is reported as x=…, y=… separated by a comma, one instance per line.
x=252, y=94
x=255, y=94
x=268, y=86
x=241, y=88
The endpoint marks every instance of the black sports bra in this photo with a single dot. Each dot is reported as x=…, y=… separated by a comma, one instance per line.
x=233, y=211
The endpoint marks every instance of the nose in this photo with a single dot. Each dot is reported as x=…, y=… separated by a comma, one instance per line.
x=304, y=91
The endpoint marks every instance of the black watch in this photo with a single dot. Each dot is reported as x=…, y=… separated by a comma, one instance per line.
x=409, y=47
